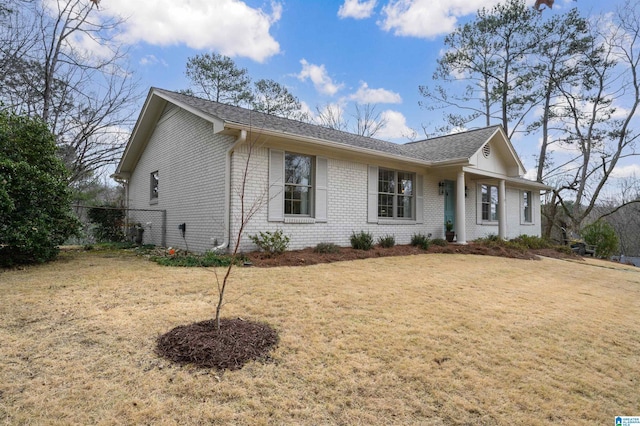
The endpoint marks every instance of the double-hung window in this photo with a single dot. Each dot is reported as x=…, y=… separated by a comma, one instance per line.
x=298, y=186
x=489, y=194
x=395, y=194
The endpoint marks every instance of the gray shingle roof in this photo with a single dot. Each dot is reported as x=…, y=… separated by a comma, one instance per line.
x=450, y=147
x=271, y=122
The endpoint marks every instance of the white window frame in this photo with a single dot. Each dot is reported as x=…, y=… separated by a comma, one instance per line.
x=309, y=185
x=528, y=195
x=154, y=182
x=277, y=180
x=396, y=195
x=372, y=199
x=482, y=203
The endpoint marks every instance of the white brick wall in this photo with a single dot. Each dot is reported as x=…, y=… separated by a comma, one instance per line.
x=514, y=227
x=190, y=161
x=347, y=206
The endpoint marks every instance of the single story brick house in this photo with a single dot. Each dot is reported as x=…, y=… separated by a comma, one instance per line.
x=187, y=156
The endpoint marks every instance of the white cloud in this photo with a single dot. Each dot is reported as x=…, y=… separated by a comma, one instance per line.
x=150, y=60
x=306, y=109
x=319, y=77
x=366, y=95
x=229, y=27
x=89, y=47
x=427, y=18
x=632, y=170
x=395, y=126
x=356, y=9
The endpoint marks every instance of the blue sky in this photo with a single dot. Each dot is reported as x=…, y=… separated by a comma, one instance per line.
x=326, y=52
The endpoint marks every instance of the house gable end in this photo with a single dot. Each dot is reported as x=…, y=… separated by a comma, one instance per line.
x=154, y=110
x=497, y=155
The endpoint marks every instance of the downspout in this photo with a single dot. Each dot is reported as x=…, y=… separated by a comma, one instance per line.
x=125, y=183
x=242, y=137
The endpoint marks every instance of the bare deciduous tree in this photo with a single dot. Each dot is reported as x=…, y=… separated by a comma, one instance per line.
x=249, y=203
x=600, y=116
x=368, y=120
x=331, y=116
x=60, y=64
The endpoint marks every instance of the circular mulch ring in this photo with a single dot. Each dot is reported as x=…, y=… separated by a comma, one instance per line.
x=200, y=344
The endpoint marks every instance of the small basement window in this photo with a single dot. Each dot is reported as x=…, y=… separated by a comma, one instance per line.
x=154, y=186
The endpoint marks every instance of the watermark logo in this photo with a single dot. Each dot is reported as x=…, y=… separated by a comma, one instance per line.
x=627, y=421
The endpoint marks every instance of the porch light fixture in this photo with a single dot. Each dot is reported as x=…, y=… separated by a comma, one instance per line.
x=441, y=187
x=466, y=191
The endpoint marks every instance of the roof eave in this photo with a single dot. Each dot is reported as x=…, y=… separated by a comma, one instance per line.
x=331, y=144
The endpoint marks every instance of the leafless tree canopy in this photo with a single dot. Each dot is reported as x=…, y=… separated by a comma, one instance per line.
x=368, y=121
x=59, y=63
x=562, y=79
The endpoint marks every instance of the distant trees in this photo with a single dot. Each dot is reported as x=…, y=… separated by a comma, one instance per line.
x=35, y=212
x=571, y=83
x=217, y=78
x=368, y=121
x=58, y=64
x=271, y=97
x=488, y=55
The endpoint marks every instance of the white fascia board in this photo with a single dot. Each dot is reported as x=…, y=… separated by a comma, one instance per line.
x=510, y=147
x=134, y=133
x=218, y=124
x=515, y=180
x=331, y=144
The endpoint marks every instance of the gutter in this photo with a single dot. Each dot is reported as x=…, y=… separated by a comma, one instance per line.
x=338, y=145
x=242, y=138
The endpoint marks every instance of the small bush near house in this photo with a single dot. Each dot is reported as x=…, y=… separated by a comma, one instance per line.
x=108, y=223
x=326, y=248
x=271, y=242
x=421, y=240
x=387, y=241
x=491, y=238
x=601, y=235
x=187, y=259
x=439, y=242
x=362, y=241
x=533, y=242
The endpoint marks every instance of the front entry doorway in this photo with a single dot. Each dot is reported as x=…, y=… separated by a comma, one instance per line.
x=449, y=202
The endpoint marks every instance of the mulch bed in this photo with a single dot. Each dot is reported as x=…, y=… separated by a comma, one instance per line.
x=238, y=342
x=309, y=257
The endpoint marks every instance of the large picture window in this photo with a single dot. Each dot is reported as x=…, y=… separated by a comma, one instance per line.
x=489, y=203
x=298, y=187
x=395, y=194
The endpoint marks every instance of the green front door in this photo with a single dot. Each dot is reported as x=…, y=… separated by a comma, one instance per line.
x=449, y=202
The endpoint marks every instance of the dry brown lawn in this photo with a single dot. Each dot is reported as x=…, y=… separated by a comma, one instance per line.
x=436, y=339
